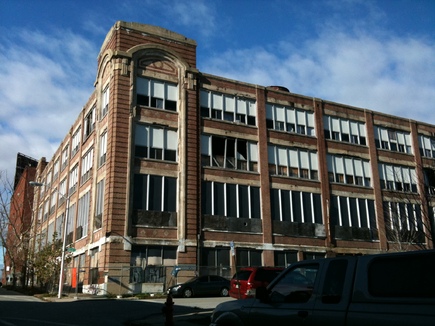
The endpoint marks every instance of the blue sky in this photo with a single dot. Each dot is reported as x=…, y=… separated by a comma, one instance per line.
x=378, y=55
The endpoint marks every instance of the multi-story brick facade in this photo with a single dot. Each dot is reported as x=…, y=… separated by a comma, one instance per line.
x=18, y=221
x=167, y=165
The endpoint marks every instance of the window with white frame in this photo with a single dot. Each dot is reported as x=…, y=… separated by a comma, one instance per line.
x=99, y=205
x=289, y=119
x=56, y=167
x=229, y=153
x=396, y=177
x=50, y=233
x=94, y=258
x=89, y=123
x=40, y=211
x=53, y=199
x=86, y=168
x=295, y=206
x=64, y=158
x=48, y=179
x=43, y=188
x=228, y=107
x=344, y=130
x=154, y=142
x=83, y=216
x=46, y=210
x=156, y=94
x=70, y=223
x=73, y=179
x=427, y=146
x=59, y=226
x=75, y=142
x=230, y=200
x=292, y=162
x=393, y=140
x=62, y=191
x=103, y=149
x=349, y=170
x=155, y=193
x=353, y=212
x=403, y=221
x=43, y=237
x=105, y=102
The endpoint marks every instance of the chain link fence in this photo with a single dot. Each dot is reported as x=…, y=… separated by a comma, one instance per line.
x=122, y=280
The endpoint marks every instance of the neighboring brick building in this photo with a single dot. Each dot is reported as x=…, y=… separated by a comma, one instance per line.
x=19, y=221
x=166, y=165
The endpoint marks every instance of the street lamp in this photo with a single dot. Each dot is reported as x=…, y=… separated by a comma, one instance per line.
x=62, y=261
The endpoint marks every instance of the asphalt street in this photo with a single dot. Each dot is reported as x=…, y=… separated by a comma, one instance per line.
x=19, y=310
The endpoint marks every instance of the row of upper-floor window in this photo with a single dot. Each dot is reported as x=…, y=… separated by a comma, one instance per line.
x=403, y=215
x=240, y=154
x=156, y=193
x=70, y=150
x=88, y=128
x=239, y=201
x=86, y=165
x=238, y=109
x=234, y=108
x=78, y=216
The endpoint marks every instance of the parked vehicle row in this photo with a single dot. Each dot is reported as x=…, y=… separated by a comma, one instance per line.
x=396, y=289
x=241, y=286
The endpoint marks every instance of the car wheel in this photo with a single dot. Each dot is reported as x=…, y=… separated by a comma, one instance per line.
x=187, y=293
x=224, y=292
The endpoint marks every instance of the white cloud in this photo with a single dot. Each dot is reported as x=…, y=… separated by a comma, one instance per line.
x=44, y=82
x=391, y=75
x=195, y=13
x=197, y=16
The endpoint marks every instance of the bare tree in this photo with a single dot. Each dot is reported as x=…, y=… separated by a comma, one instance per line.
x=407, y=214
x=15, y=227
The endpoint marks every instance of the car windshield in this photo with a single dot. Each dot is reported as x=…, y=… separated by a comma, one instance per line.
x=242, y=275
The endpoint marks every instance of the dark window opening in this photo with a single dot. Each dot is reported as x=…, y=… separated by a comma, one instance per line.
x=228, y=116
x=171, y=105
x=170, y=155
x=205, y=112
x=141, y=151
x=251, y=121
x=143, y=100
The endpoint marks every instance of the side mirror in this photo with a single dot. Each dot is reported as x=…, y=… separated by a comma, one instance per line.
x=262, y=294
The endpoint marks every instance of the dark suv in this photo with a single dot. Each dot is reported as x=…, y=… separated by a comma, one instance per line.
x=247, y=279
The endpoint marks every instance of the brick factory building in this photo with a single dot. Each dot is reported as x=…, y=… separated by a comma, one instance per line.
x=168, y=166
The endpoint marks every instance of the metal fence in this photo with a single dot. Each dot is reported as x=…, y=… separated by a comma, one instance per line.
x=121, y=280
